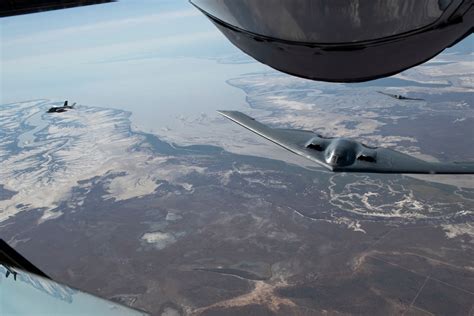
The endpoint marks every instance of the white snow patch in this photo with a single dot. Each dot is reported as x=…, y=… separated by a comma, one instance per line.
x=455, y=230
x=48, y=215
x=171, y=217
x=74, y=146
x=159, y=239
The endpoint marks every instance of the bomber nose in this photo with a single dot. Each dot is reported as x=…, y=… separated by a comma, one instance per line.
x=340, y=158
x=341, y=152
x=334, y=157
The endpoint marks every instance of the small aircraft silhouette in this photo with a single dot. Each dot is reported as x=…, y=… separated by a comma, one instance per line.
x=60, y=109
x=399, y=96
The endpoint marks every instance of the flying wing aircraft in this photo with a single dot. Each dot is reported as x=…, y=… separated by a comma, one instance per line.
x=346, y=155
x=399, y=96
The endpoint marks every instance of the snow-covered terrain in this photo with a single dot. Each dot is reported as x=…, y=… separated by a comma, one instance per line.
x=43, y=166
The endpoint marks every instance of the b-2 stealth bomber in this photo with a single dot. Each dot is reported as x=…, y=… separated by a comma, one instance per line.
x=344, y=154
x=399, y=96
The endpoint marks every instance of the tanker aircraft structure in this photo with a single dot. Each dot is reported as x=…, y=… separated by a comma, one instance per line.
x=341, y=41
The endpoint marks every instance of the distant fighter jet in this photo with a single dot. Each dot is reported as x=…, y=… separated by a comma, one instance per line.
x=399, y=96
x=346, y=155
x=60, y=109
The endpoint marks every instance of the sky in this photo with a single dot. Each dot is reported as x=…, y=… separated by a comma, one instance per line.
x=144, y=56
x=114, y=29
x=141, y=56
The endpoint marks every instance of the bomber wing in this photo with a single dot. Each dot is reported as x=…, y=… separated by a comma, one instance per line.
x=292, y=140
x=392, y=161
